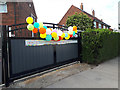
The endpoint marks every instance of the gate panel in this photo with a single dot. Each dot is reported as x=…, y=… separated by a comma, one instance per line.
x=65, y=52
x=25, y=58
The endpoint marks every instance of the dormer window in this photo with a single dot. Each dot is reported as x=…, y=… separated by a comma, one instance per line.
x=3, y=7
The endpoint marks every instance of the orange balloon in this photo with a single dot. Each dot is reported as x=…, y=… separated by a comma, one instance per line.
x=35, y=30
x=74, y=28
x=61, y=38
x=42, y=30
x=50, y=29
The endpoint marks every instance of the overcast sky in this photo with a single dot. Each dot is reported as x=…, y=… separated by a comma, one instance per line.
x=53, y=10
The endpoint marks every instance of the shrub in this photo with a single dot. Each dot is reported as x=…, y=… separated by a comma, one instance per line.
x=99, y=45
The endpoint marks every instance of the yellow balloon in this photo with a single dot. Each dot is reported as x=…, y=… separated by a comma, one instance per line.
x=41, y=25
x=29, y=20
x=54, y=34
x=43, y=35
x=63, y=35
x=67, y=37
x=76, y=31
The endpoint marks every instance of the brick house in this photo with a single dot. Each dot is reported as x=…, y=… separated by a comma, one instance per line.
x=16, y=13
x=72, y=10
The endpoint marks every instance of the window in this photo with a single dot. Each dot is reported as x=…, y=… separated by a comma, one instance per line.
x=94, y=24
x=103, y=27
x=3, y=7
x=100, y=26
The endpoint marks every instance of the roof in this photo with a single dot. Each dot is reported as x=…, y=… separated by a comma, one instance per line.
x=89, y=15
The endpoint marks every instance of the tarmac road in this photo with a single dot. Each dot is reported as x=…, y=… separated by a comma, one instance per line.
x=103, y=76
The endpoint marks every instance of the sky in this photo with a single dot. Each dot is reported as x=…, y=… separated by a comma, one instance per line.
x=53, y=10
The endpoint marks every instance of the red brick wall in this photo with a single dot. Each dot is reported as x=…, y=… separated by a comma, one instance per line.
x=8, y=18
x=97, y=25
x=22, y=11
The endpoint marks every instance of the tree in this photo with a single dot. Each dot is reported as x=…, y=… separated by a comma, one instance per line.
x=81, y=20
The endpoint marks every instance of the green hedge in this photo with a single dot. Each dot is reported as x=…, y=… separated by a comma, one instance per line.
x=99, y=45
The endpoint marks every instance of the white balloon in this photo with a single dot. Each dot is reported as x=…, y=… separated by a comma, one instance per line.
x=48, y=31
x=70, y=32
x=70, y=28
x=59, y=32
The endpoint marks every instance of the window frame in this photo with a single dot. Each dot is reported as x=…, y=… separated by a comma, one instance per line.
x=4, y=6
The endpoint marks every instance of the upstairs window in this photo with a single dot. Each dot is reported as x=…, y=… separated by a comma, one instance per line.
x=94, y=24
x=3, y=7
x=103, y=27
x=100, y=26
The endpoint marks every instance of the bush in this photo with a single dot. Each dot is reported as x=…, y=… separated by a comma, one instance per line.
x=99, y=45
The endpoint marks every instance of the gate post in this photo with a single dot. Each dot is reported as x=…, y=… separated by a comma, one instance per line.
x=5, y=54
x=80, y=46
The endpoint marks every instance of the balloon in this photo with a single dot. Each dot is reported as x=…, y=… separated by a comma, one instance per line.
x=35, y=30
x=54, y=34
x=43, y=35
x=42, y=30
x=74, y=28
x=63, y=35
x=29, y=20
x=51, y=29
x=30, y=27
x=48, y=31
x=70, y=28
x=55, y=31
x=59, y=32
x=70, y=32
x=41, y=25
x=56, y=38
x=66, y=35
x=73, y=33
x=48, y=37
x=76, y=31
x=36, y=25
x=59, y=38
x=45, y=27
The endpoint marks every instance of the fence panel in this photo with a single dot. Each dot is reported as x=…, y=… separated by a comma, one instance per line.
x=27, y=58
x=66, y=52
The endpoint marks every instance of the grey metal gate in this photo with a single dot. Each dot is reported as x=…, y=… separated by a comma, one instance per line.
x=20, y=60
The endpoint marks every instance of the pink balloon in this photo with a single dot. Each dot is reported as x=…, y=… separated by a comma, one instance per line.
x=55, y=31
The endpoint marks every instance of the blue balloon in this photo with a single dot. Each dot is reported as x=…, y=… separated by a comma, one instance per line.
x=73, y=33
x=45, y=27
x=36, y=25
x=48, y=37
x=66, y=35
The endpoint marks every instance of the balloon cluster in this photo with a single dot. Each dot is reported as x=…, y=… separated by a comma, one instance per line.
x=49, y=33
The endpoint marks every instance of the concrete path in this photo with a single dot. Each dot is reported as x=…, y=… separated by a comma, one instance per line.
x=103, y=76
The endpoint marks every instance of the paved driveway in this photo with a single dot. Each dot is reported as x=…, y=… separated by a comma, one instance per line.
x=103, y=76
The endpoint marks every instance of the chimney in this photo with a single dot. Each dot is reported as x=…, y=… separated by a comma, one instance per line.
x=102, y=20
x=93, y=13
x=81, y=6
